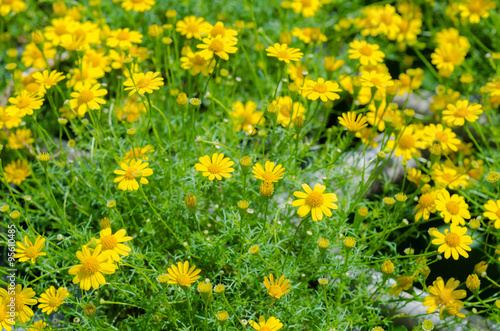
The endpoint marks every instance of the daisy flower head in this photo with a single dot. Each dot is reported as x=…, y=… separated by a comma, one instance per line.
x=22, y=298
x=142, y=83
x=325, y=90
x=272, y=324
x=377, y=80
x=47, y=80
x=452, y=207
x=269, y=173
x=219, y=46
x=6, y=322
x=474, y=10
x=192, y=26
x=366, y=53
x=114, y=243
x=130, y=172
x=24, y=103
x=453, y=242
x=123, y=38
x=308, y=8
x=197, y=64
x=493, y=212
x=16, y=6
x=89, y=273
x=137, y=5
x=17, y=171
x=277, y=287
x=50, y=301
x=87, y=97
x=443, y=295
x=457, y=114
x=215, y=167
x=353, y=122
x=28, y=250
x=283, y=53
x=315, y=201
x=408, y=143
x=182, y=275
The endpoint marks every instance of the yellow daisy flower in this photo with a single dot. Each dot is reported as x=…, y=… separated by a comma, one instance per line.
x=245, y=117
x=15, y=6
x=426, y=205
x=283, y=53
x=138, y=153
x=452, y=208
x=22, y=298
x=352, y=122
x=47, y=80
x=269, y=173
x=288, y=110
x=325, y=90
x=197, y=64
x=17, y=171
x=130, y=172
x=93, y=265
x=113, y=243
x=408, y=143
x=87, y=97
x=447, y=138
x=9, y=121
x=366, y=53
x=315, y=201
x=272, y=324
x=442, y=295
x=308, y=8
x=493, y=212
x=217, y=167
x=277, y=288
x=476, y=9
x=50, y=301
x=374, y=79
x=453, y=242
x=142, y=83
x=445, y=176
x=192, y=26
x=183, y=275
x=137, y=5
x=30, y=251
x=6, y=321
x=457, y=114
x=24, y=103
x=123, y=38
x=20, y=139
x=219, y=46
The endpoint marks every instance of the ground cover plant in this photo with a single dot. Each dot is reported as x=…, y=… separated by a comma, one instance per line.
x=249, y=165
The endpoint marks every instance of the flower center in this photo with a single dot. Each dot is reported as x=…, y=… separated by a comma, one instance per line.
x=143, y=83
x=183, y=280
x=461, y=112
x=452, y=239
x=216, y=45
x=214, y=169
x=305, y=3
x=275, y=291
x=90, y=266
x=31, y=252
x=109, y=242
x=366, y=51
x=453, y=207
x=23, y=103
x=283, y=55
x=19, y=303
x=444, y=297
x=475, y=6
x=268, y=176
x=198, y=61
x=320, y=88
x=442, y=136
x=314, y=199
x=193, y=28
x=218, y=30
x=426, y=200
x=406, y=142
x=85, y=96
x=60, y=30
x=130, y=173
x=54, y=302
x=123, y=35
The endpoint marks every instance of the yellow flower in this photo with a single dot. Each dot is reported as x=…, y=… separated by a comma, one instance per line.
x=315, y=201
x=197, y=64
x=51, y=300
x=283, y=53
x=447, y=57
x=219, y=46
x=325, y=90
x=183, y=275
x=476, y=9
x=453, y=242
x=366, y=53
x=46, y=79
x=378, y=80
x=6, y=321
x=447, y=138
x=17, y=171
x=138, y=153
x=192, y=26
x=217, y=167
x=445, y=176
x=93, y=265
x=87, y=97
x=123, y=38
x=288, y=110
x=407, y=143
x=137, y=5
x=20, y=139
x=131, y=111
x=493, y=212
x=30, y=251
x=272, y=324
x=460, y=112
x=426, y=205
x=352, y=122
x=452, y=208
x=309, y=34
x=9, y=121
x=277, y=288
x=403, y=283
x=113, y=243
x=33, y=56
x=24, y=103
x=22, y=299
x=308, y=8
x=269, y=173
x=15, y=6
x=130, y=172
x=442, y=295
x=142, y=83
x=245, y=117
